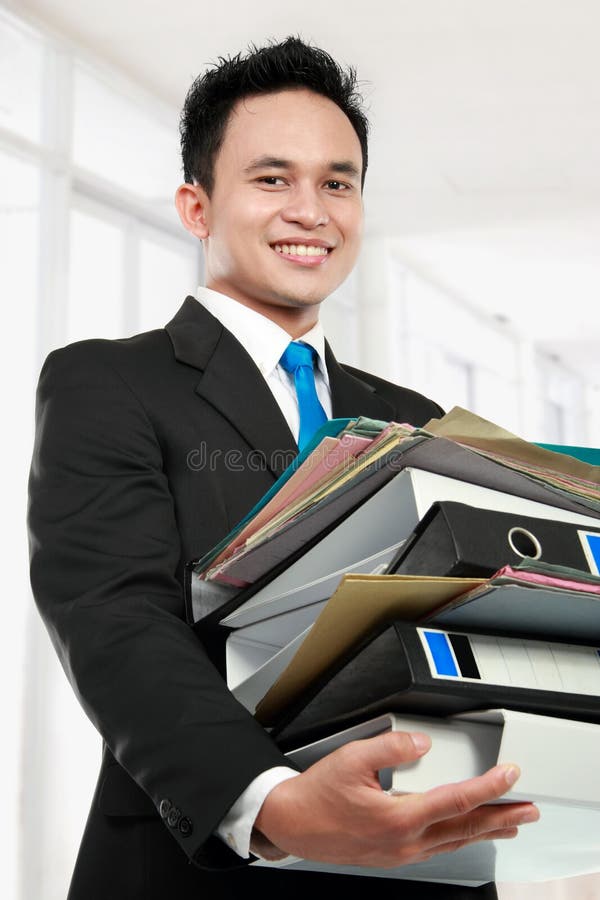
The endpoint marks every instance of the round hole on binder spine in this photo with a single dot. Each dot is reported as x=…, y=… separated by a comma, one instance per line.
x=524, y=543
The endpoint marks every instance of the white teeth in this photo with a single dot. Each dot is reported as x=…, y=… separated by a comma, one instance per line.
x=301, y=250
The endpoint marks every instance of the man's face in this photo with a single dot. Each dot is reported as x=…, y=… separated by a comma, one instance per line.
x=287, y=178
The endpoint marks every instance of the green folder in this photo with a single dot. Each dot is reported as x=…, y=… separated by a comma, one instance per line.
x=589, y=455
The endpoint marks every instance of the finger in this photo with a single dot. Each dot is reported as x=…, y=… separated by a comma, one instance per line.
x=502, y=834
x=503, y=815
x=480, y=823
x=390, y=749
x=450, y=800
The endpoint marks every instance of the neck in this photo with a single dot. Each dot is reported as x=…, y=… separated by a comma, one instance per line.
x=295, y=320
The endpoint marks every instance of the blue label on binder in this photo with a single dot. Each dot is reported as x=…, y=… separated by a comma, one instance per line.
x=591, y=545
x=441, y=652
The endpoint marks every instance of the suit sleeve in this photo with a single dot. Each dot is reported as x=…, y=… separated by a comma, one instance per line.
x=104, y=549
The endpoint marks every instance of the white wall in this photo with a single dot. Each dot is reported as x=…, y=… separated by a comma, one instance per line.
x=417, y=333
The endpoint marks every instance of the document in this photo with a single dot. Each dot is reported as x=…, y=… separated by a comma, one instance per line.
x=323, y=475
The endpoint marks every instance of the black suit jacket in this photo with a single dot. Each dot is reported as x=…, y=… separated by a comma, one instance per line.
x=119, y=502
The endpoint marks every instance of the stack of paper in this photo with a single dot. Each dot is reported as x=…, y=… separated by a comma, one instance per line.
x=571, y=475
x=330, y=463
x=534, y=600
x=310, y=614
x=349, y=460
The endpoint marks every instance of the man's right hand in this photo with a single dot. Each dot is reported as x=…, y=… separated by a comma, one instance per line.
x=336, y=811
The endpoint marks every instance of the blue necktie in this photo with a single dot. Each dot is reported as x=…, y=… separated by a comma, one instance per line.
x=299, y=359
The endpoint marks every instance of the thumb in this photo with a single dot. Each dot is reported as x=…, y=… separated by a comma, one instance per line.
x=390, y=749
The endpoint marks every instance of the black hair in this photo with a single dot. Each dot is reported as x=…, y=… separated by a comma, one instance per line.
x=291, y=63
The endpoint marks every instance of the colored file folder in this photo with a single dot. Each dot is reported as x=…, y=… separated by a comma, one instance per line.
x=523, y=605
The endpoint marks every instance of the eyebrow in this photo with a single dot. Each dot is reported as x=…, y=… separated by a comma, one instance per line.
x=341, y=167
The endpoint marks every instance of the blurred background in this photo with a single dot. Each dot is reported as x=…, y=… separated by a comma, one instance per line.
x=483, y=217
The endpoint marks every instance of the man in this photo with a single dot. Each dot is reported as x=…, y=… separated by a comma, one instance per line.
x=275, y=154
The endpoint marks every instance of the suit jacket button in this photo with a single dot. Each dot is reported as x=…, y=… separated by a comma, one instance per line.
x=165, y=808
x=173, y=816
x=185, y=826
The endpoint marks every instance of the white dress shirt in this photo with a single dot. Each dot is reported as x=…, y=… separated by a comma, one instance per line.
x=265, y=343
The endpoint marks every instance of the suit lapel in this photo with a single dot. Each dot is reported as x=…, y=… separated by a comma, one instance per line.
x=352, y=397
x=231, y=383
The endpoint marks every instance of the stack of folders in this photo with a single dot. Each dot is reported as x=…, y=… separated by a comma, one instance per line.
x=436, y=573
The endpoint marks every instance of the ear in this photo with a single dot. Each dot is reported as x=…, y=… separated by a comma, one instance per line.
x=192, y=203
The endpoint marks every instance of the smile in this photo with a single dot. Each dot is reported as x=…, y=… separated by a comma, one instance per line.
x=301, y=250
x=303, y=254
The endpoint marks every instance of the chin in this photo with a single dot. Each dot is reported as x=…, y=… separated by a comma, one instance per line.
x=304, y=297
x=301, y=302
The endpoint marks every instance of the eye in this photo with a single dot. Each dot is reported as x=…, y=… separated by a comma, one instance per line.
x=271, y=180
x=337, y=186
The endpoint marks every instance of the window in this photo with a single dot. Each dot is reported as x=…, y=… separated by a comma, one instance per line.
x=167, y=275
x=124, y=141
x=21, y=64
x=95, y=287
x=19, y=232
x=91, y=247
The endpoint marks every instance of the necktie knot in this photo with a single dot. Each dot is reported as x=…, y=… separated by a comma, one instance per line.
x=297, y=354
x=299, y=359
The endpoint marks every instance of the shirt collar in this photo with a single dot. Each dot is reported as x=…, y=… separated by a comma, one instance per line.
x=262, y=339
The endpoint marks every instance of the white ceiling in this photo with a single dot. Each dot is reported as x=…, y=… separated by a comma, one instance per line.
x=485, y=152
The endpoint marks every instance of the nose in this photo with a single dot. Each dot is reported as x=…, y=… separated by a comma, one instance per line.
x=305, y=207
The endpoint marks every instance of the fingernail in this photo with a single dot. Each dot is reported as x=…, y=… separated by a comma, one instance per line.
x=511, y=773
x=532, y=815
x=421, y=741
